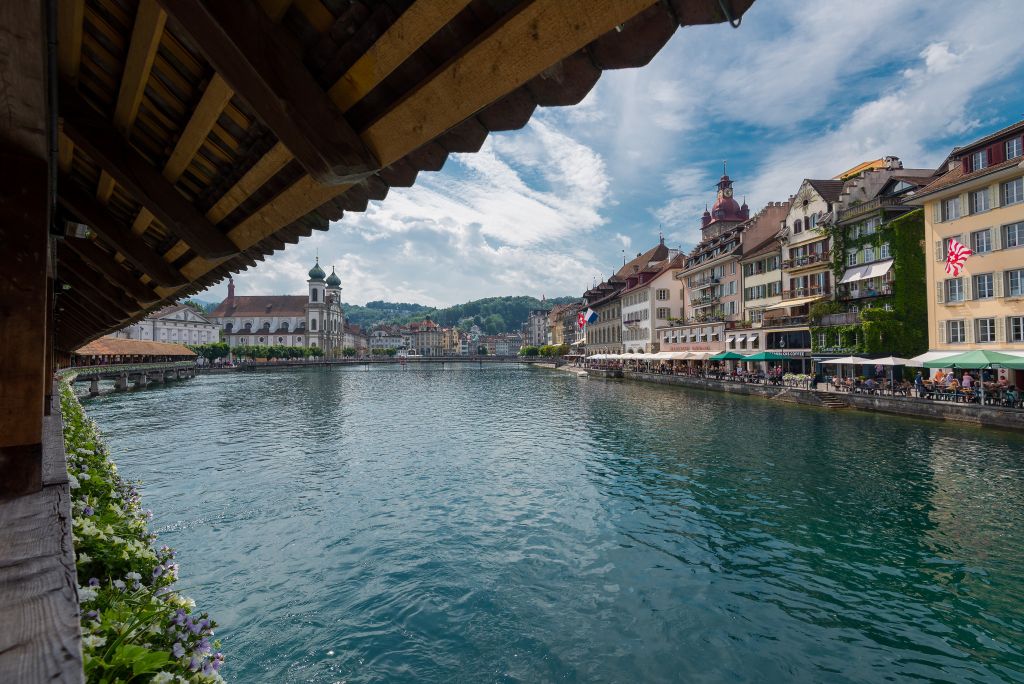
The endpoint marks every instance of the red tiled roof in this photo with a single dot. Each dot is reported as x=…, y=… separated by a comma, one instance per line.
x=113, y=346
x=258, y=305
x=957, y=174
x=828, y=189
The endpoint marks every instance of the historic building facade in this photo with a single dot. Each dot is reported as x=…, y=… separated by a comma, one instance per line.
x=978, y=199
x=313, y=320
x=179, y=323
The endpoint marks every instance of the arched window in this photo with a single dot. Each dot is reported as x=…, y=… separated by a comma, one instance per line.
x=298, y=339
x=312, y=324
x=312, y=295
x=280, y=340
x=261, y=339
x=266, y=325
x=228, y=327
x=798, y=226
x=248, y=326
x=284, y=326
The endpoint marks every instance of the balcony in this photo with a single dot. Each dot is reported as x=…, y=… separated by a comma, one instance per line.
x=868, y=207
x=845, y=292
x=806, y=261
x=785, y=322
x=703, y=300
x=848, y=318
x=704, y=282
x=801, y=292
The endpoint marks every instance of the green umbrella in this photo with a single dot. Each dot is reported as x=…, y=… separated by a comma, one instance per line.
x=765, y=356
x=978, y=359
x=727, y=356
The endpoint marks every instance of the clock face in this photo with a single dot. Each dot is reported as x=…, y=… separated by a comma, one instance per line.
x=727, y=192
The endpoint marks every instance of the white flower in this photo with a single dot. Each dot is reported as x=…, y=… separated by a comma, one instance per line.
x=84, y=476
x=73, y=481
x=84, y=558
x=93, y=641
x=118, y=584
x=162, y=678
x=133, y=576
x=86, y=594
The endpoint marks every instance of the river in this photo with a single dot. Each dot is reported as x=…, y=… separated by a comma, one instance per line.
x=516, y=524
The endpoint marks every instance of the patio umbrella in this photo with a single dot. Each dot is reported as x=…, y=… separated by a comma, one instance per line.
x=891, y=361
x=846, y=361
x=727, y=356
x=979, y=358
x=765, y=356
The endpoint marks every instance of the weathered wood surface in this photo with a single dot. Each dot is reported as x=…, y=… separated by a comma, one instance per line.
x=40, y=634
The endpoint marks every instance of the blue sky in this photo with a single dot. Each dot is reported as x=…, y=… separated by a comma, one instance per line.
x=800, y=90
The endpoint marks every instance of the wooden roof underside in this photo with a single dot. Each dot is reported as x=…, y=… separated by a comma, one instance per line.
x=196, y=138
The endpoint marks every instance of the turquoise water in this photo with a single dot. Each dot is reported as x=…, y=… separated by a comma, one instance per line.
x=511, y=524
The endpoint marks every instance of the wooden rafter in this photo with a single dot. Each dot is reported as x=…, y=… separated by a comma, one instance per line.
x=107, y=148
x=254, y=57
x=105, y=263
x=123, y=240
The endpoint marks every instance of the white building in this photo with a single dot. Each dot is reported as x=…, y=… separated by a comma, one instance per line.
x=652, y=296
x=313, y=320
x=179, y=323
x=386, y=338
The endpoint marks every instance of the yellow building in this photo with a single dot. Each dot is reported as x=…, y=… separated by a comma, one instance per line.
x=977, y=197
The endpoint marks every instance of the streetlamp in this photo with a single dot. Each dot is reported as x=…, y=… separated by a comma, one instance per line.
x=782, y=348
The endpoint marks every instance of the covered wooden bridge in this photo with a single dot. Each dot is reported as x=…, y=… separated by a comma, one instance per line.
x=148, y=148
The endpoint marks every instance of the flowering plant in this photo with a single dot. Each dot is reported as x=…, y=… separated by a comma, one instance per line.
x=134, y=625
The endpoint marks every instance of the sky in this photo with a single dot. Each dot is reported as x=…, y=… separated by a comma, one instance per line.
x=800, y=90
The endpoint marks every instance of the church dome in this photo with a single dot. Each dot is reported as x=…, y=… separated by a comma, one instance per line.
x=316, y=273
x=333, y=280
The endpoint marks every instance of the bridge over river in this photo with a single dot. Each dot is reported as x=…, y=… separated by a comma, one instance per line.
x=137, y=374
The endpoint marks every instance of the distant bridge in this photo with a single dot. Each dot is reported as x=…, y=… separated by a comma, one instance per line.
x=393, y=361
x=138, y=374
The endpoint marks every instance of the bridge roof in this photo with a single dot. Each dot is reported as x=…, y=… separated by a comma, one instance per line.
x=198, y=138
x=114, y=346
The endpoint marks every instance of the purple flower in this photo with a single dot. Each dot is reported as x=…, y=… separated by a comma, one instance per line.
x=218, y=660
x=179, y=617
x=193, y=627
x=93, y=615
x=94, y=582
x=193, y=664
x=88, y=510
x=178, y=650
x=208, y=668
x=203, y=647
x=158, y=570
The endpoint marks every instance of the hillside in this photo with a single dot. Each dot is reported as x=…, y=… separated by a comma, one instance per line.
x=493, y=314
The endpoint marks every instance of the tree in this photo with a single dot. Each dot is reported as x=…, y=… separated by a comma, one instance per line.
x=529, y=351
x=390, y=351
x=482, y=350
x=348, y=351
x=494, y=324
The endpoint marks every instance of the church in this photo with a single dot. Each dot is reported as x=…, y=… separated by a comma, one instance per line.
x=311, y=320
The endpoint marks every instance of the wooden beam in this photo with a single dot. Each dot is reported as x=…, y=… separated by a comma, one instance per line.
x=149, y=26
x=116, y=305
x=132, y=171
x=416, y=26
x=70, y=19
x=134, y=248
x=215, y=98
x=112, y=270
x=529, y=41
x=275, y=9
x=253, y=55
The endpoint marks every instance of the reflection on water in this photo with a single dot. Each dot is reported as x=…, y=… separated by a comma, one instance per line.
x=510, y=523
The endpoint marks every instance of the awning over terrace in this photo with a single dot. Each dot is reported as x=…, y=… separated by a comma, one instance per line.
x=867, y=271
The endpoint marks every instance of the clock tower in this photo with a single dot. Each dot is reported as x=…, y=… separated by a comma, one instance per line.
x=726, y=208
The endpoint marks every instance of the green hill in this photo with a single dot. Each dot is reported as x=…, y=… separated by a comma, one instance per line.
x=493, y=314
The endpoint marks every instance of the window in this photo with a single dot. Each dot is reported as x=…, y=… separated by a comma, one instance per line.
x=851, y=257
x=1013, y=235
x=1013, y=148
x=954, y=290
x=312, y=324
x=979, y=160
x=872, y=225
x=1012, y=191
x=955, y=332
x=869, y=253
x=883, y=252
x=983, y=286
x=951, y=209
x=979, y=201
x=312, y=295
x=798, y=226
x=664, y=312
x=662, y=295
x=1015, y=283
x=985, y=329
x=1015, y=329
x=981, y=241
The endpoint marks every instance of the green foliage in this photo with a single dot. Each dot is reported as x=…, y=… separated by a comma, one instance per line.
x=200, y=306
x=482, y=350
x=552, y=350
x=135, y=627
x=214, y=350
x=493, y=314
x=819, y=310
x=529, y=351
x=348, y=351
x=274, y=351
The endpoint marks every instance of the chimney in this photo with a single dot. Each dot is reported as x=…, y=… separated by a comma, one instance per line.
x=231, y=292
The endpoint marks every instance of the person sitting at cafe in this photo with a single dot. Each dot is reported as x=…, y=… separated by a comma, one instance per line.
x=953, y=386
x=968, y=381
x=939, y=376
x=870, y=385
x=1012, y=396
x=1002, y=383
x=919, y=383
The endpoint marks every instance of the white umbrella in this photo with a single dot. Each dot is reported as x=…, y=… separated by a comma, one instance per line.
x=921, y=359
x=846, y=361
x=891, y=361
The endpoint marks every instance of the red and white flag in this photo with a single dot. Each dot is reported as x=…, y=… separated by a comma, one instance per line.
x=956, y=255
x=581, y=320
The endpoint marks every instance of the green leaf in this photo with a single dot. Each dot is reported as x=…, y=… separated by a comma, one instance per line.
x=151, y=662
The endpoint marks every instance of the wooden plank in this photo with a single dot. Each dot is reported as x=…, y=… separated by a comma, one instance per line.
x=108, y=149
x=70, y=19
x=89, y=211
x=275, y=9
x=86, y=280
x=319, y=16
x=215, y=98
x=149, y=26
x=253, y=55
x=105, y=264
x=529, y=41
x=410, y=31
x=262, y=171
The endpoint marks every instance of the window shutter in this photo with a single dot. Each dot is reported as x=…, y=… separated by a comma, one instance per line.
x=940, y=292
x=997, y=238
x=996, y=154
x=936, y=214
x=939, y=256
x=1000, y=330
x=968, y=289
x=965, y=164
x=997, y=283
x=942, y=332
x=969, y=331
x=993, y=196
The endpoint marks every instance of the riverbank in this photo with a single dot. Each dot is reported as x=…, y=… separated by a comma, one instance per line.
x=987, y=416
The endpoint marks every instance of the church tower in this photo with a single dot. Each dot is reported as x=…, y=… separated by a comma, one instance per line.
x=726, y=209
x=315, y=304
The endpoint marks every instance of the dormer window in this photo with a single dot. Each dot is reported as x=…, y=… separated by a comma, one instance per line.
x=979, y=160
x=1013, y=148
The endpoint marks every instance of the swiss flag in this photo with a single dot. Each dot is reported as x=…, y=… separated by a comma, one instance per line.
x=581, y=320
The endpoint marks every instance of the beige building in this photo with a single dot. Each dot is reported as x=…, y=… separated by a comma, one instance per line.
x=762, y=289
x=178, y=323
x=977, y=198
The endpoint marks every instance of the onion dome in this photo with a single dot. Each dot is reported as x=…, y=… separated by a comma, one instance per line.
x=316, y=273
x=333, y=280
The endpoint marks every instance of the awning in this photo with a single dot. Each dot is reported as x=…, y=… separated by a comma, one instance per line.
x=792, y=302
x=741, y=338
x=731, y=338
x=875, y=270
